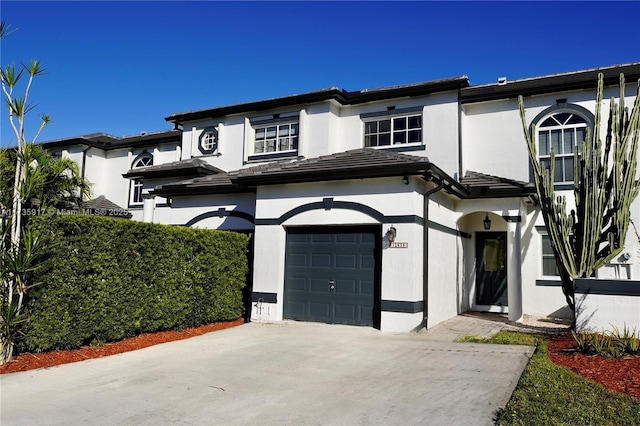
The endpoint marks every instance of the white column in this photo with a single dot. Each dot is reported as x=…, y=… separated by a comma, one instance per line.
x=148, y=208
x=514, y=271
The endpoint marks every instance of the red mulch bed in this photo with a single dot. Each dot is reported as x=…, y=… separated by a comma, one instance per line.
x=28, y=361
x=618, y=375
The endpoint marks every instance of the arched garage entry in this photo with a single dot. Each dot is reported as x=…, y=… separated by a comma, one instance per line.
x=332, y=274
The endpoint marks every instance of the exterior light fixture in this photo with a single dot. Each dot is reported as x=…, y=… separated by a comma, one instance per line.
x=486, y=222
x=405, y=179
x=391, y=235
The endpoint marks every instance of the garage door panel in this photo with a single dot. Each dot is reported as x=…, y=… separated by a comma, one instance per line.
x=297, y=284
x=346, y=312
x=297, y=310
x=319, y=285
x=348, y=261
x=317, y=256
x=321, y=310
x=320, y=238
x=367, y=287
x=347, y=287
x=298, y=260
x=321, y=260
x=367, y=261
x=346, y=238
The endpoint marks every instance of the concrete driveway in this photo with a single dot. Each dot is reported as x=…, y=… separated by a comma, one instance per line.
x=271, y=374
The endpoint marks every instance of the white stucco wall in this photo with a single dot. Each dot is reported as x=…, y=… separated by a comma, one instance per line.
x=444, y=283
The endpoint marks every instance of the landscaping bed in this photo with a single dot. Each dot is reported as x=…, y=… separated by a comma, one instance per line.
x=29, y=361
x=616, y=374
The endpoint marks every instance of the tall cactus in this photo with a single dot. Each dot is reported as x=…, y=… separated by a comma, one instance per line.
x=605, y=185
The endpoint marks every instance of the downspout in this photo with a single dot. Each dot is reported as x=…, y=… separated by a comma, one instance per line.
x=84, y=165
x=459, y=136
x=425, y=245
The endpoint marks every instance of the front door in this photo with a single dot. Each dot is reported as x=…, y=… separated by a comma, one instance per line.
x=491, y=268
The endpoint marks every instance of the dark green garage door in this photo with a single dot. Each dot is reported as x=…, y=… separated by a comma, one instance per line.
x=331, y=275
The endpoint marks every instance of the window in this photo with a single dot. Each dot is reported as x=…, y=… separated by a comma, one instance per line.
x=208, y=143
x=563, y=133
x=549, y=267
x=393, y=131
x=280, y=137
x=143, y=160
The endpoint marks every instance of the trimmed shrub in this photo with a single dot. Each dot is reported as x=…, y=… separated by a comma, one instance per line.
x=106, y=279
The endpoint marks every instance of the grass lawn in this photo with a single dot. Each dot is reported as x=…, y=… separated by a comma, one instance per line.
x=548, y=394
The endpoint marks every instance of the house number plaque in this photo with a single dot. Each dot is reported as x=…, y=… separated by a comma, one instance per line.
x=399, y=245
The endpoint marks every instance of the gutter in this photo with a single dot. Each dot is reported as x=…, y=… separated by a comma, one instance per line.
x=425, y=243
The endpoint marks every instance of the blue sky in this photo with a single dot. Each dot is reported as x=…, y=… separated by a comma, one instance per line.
x=121, y=67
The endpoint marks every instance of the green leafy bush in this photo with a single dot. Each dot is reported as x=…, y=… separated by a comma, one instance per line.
x=105, y=279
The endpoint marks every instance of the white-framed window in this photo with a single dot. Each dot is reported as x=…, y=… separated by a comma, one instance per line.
x=549, y=267
x=562, y=132
x=143, y=160
x=394, y=130
x=276, y=138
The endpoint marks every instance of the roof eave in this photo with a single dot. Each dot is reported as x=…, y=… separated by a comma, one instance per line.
x=340, y=96
x=331, y=175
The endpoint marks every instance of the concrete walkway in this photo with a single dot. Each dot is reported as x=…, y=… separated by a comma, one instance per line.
x=272, y=374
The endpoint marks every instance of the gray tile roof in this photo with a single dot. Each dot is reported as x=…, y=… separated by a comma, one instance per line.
x=184, y=168
x=101, y=206
x=481, y=185
x=109, y=142
x=354, y=164
x=357, y=163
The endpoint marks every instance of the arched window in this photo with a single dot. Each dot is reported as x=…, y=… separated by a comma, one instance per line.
x=563, y=130
x=143, y=160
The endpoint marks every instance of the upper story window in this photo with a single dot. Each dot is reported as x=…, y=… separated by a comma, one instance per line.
x=273, y=137
x=143, y=160
x=563, y=133
x=276, y=138
x=208, y=143
x=562, y=128
x=394, y=127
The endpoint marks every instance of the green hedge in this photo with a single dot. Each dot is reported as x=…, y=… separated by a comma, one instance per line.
x=106, y=279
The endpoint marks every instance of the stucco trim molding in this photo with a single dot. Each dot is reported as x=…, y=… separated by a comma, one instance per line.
x=344, y=205
x=220, y=213
x=402, y=306
x=607, y=287
x=330, y=204
x=257, y=296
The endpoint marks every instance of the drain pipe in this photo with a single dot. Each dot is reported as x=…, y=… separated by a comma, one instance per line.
x=425, y=245
x=84, y=165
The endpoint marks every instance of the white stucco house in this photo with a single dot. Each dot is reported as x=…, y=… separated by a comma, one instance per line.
x=396, y=208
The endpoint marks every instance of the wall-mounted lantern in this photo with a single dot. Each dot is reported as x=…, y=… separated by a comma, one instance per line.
x=391, y=235
x=486, y=222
